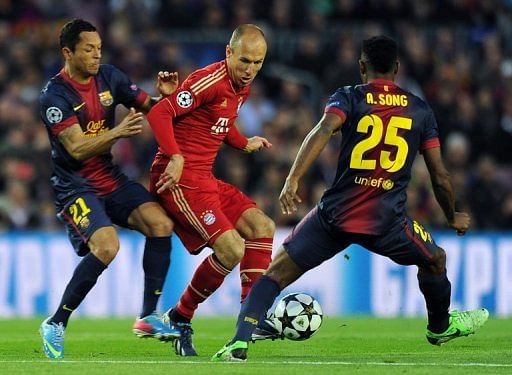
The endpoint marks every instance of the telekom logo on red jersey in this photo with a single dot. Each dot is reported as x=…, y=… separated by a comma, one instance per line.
x=221, y=126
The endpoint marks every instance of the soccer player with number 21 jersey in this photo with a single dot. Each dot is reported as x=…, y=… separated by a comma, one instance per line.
x=77, y=107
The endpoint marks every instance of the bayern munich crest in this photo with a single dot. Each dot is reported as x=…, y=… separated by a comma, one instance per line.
x=208, y=217
x=184, y=99
x=54, y=115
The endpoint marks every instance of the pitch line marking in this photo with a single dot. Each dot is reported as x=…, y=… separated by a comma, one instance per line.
x=313, y=363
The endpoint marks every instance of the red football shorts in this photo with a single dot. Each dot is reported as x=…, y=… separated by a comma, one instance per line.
x=202, y=208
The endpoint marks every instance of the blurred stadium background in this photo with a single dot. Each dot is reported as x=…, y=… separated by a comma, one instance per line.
x=457, y=54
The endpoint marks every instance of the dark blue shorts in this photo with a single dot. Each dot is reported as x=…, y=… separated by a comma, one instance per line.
x=313, y=241
x=85, y=213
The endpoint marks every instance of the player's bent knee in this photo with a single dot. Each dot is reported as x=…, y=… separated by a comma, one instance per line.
x=440, y=258
x=255, y=224
x=162, y=227
x=104, y=244
x=262, y=228
x=151, y=220
x=267, y=228
x=229, y=249
x=106, y=254
x=438, y=262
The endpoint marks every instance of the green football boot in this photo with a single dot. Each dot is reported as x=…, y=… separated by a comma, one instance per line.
x=462, y=323
x=232, y=352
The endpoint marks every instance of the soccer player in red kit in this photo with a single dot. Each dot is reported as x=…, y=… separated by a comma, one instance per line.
x=190, y=125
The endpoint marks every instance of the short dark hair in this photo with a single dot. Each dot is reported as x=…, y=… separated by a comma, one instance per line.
x=380, y=52
x=70, y=32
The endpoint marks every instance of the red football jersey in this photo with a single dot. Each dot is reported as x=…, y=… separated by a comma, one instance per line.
x=204, y=109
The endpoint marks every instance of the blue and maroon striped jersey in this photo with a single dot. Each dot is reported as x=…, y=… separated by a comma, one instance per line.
x=65, y=102
x=384, y=128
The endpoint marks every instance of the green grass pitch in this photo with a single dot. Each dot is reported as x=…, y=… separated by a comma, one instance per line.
x=342, y=345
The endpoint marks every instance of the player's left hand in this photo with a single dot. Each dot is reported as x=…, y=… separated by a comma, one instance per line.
x=167, y=83
x=171, y=176
x=289, y=195
x=257, y=143
x=461, y=222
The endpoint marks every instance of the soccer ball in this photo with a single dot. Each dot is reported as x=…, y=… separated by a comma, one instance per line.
x=298, y=316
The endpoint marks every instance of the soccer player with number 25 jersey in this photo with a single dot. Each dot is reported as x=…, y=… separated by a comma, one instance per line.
x=383, y=127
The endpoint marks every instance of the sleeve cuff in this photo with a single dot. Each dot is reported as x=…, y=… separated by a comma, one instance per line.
x=337, y=112
x=57, y=128
x=141, y=98
x=430, y=143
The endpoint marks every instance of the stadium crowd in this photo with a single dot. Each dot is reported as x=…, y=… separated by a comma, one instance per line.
x=457, y=54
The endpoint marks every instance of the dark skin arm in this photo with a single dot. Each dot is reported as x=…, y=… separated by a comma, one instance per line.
x=443, y=190
x=311, y=147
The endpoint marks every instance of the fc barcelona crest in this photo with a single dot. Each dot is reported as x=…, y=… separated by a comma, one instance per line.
x=106, y=98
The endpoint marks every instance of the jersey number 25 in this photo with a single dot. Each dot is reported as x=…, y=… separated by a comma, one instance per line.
x=373, y=125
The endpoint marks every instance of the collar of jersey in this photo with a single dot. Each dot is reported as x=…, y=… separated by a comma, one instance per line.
x=83, y=86
x=382, y=81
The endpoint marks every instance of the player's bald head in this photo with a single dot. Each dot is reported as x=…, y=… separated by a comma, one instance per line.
x=247, y=33
x=245, y=54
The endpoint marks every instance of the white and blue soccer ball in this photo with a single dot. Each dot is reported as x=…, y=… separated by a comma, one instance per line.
x=298, y=316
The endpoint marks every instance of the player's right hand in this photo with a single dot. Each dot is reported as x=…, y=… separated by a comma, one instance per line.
x=257, y=143
x=167, y=83
x=461, y=221
x=289, y=196
x=130, y=125
x=172, y=174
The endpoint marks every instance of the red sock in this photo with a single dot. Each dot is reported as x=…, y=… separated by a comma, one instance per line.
x=208, y=277
x=257, y=257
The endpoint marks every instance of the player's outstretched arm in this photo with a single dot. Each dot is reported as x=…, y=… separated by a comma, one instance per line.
x=311, y=147
x=81, y=147
x=443, y=190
